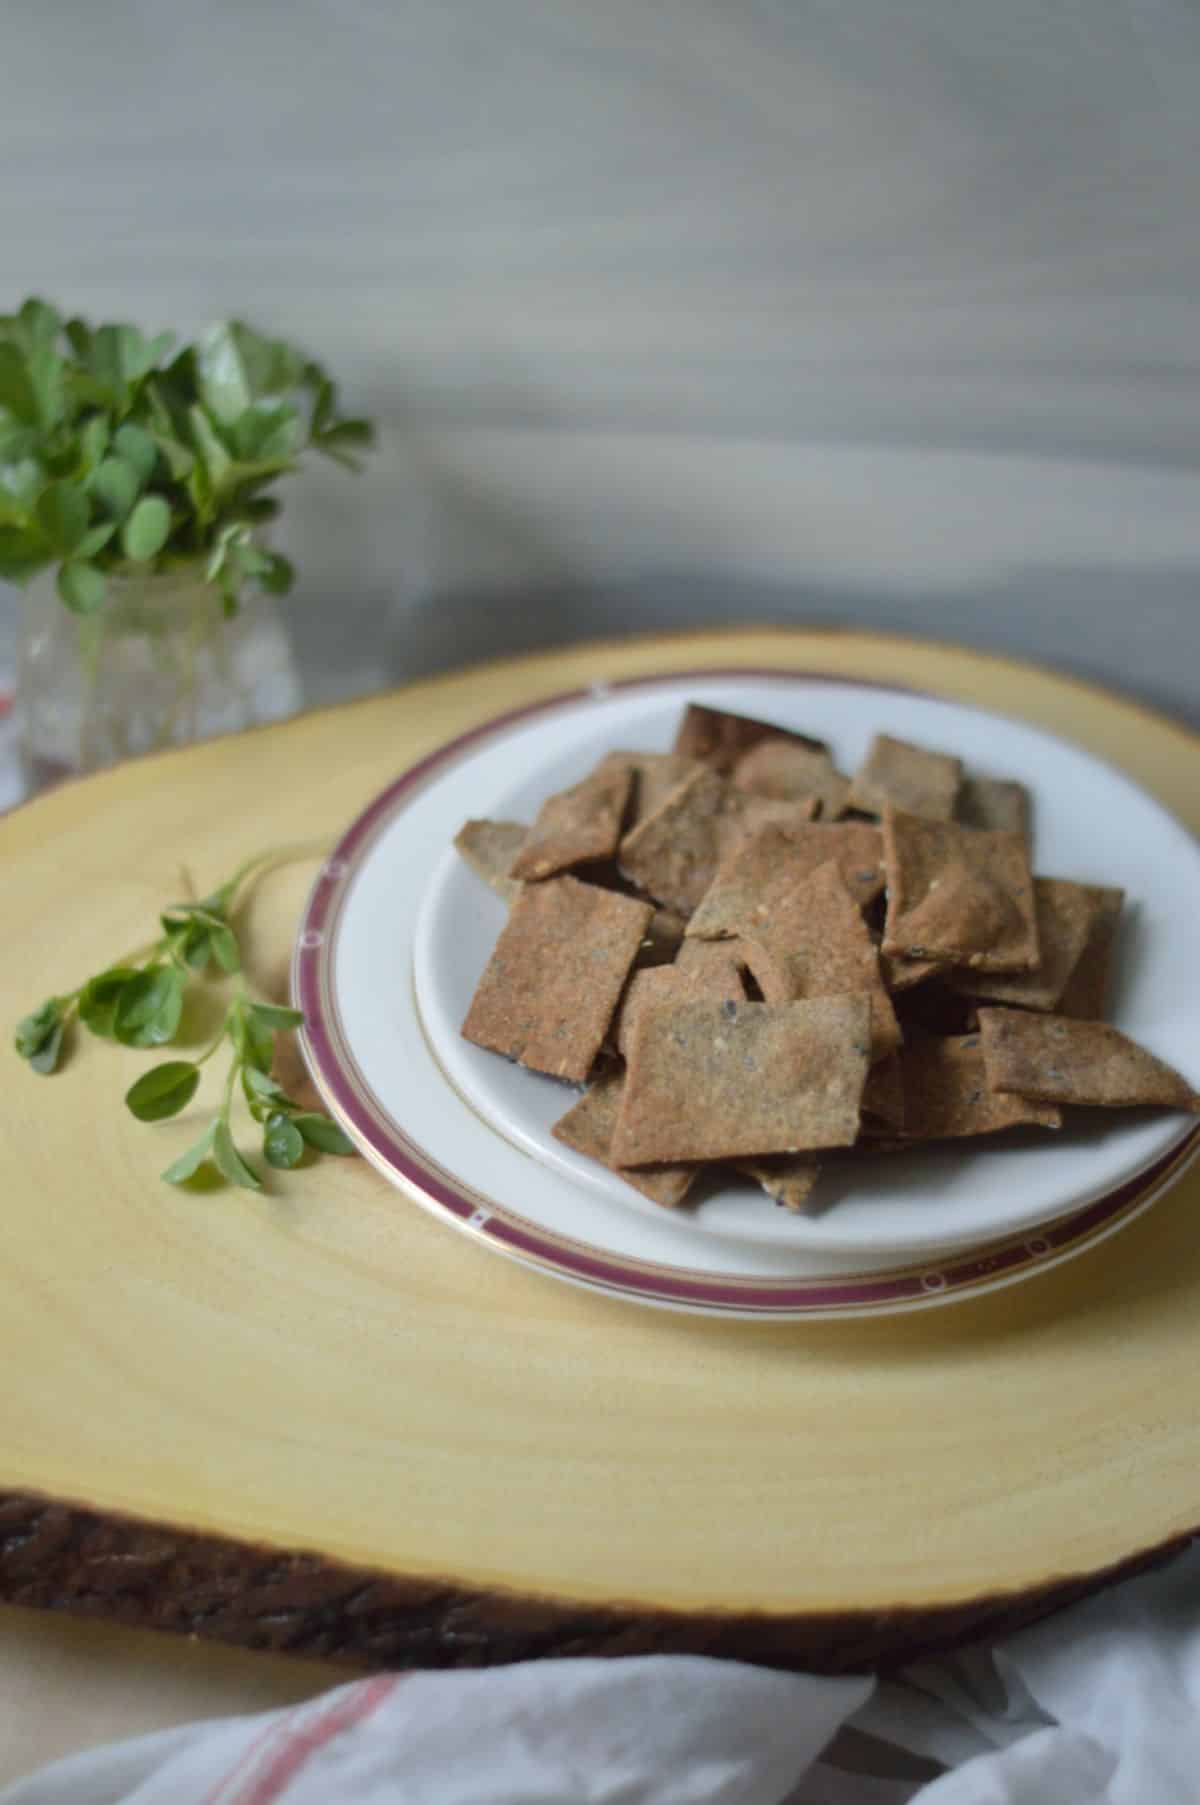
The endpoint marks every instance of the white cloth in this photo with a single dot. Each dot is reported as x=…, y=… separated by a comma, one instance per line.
x=1097, y=1706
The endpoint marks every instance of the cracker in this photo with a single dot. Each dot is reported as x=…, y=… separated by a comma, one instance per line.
x=899, y=775
x=960, y=894
x=720, y=738
x=1066, y=915
x=555, y=975
x=663, y=939
x=1086, y=992
x=789, y=1179
x=489, y=847
x=993, y=802
x=815, y=943
x=947, y=1096
x=576, y=826
x=588, y=1128
x=718, y=978
x=753, y=877
x=1061, y=1060
x=788, y=770
x=724, y=1080
x=673, y=855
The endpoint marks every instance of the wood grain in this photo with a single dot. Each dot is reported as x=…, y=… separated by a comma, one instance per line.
x=319, y=1420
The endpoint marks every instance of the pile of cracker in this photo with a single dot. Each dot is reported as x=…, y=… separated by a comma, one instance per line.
x=753, y=961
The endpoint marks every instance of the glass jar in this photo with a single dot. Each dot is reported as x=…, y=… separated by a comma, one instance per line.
x=157, y=665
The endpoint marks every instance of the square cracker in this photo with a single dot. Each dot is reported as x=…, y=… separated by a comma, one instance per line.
x=588, y=1128
x=489, y=847
x=673, y=855
x=576, y=826
x=754, y=875
x=947, y=1097
x=1066, y=915
x=788, y=770
x=993, y=802
x=959, y=894
x=815, y=943
x=723, y=1080
x=899, y=775
x=719, y=738
x=718, y=978
x=549, y=990
x=1065, y=1061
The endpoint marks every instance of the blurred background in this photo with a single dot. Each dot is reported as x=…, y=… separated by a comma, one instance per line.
x=696, y=311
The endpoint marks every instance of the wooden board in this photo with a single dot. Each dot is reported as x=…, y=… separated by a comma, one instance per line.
x=319, y=1420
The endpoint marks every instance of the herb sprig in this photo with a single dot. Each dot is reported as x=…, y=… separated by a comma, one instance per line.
x=138, y=1002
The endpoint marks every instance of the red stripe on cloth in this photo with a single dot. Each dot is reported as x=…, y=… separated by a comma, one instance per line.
x=306, y=1738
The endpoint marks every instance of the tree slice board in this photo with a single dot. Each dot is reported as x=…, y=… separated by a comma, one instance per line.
x=319, y=1421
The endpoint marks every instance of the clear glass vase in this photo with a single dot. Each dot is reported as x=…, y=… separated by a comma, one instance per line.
x=157, y=665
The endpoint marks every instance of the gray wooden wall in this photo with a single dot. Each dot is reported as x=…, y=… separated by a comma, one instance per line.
x=673, y=311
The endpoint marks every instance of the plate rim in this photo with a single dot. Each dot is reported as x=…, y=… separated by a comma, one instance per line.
x=930, y=1281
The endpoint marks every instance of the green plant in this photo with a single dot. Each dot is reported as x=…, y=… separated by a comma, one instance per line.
x=139, y=1003
x=114, y=454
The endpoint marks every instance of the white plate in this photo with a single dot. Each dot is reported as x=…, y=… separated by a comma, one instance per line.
x=468, y=1134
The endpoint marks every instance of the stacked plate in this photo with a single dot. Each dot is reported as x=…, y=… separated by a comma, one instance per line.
x=397, y=931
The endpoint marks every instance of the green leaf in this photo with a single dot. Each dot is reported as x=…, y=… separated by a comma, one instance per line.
x=283, y=1144
x=225, y=948
x=229, y=1161
x=39, y=1036
x=93, y=442
x=149, y=1007
x=137, y=447
x=263, y=1094
x=79, y=337
x=41, y=323
x=20, y=480
x=271, y=366
x=46, y=373
x=278, y=575
x=348, y=432
x=16, y=390
x=95, y=539
x=189, y=1163
x=23, y=550
x=176, y=457
x=163, y=1091
x=62, y=513
x=268, y=432
x=257, y=1042
x=323, y=1134
x=117, y=484
x=221, y=375
x=145, y=532
x=213, y=455
x=275, y=1016
x=98, y=1002
x=81, y=585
